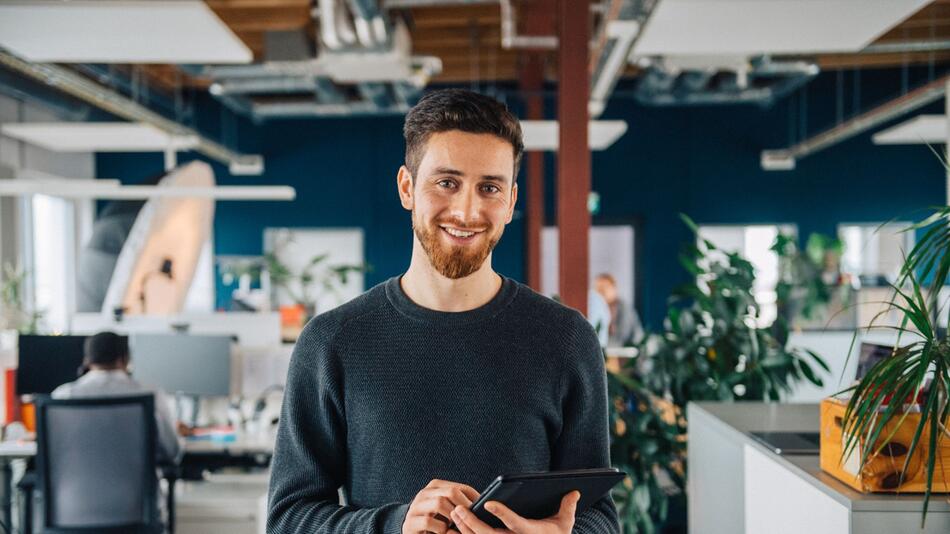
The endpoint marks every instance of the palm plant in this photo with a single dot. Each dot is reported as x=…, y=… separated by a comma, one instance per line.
x=892, y=388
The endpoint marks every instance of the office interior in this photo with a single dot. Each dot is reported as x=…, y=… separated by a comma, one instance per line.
x=203, y=177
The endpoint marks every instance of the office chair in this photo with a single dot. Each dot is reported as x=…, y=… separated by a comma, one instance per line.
x=95, y=465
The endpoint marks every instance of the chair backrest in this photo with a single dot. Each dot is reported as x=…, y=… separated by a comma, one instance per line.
x=96, y=463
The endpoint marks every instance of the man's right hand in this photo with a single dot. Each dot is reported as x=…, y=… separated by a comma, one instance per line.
x=431, y=509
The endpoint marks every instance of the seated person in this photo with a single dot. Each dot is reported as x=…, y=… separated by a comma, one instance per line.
x=106, y=361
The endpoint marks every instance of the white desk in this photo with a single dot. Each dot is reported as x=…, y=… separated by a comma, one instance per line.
x=737, y=485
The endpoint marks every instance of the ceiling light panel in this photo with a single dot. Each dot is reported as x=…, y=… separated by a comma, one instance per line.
x=118, y=31
x=543, y=135
x=751, y=27
x=96, y=136
x=922, y=129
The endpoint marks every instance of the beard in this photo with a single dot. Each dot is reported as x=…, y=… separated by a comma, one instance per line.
x=454, y=261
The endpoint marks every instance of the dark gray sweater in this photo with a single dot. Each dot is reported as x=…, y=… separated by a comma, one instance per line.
x=384, y=395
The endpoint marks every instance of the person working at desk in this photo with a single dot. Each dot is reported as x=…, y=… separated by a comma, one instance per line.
x=106, y=362
x=433, y=383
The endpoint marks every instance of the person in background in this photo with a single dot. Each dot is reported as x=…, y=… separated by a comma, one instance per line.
x=625, y=327
x=598, y=315
x=106, y=362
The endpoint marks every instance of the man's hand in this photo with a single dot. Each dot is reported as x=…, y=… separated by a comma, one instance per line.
x=432, y=506
x=561, y=523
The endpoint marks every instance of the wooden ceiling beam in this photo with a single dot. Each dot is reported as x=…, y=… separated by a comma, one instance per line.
x=255, y=4
x=848, y=61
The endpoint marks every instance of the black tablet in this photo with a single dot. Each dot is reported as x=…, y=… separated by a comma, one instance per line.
x=538, y=495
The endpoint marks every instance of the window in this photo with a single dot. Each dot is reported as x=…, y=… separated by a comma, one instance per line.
x=611, y=251
x=753, y=243
x=53, y=260
x=873, y=256
x=874, y=253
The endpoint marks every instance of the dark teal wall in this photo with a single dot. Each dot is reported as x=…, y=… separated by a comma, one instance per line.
x=705, y=162
x=700, y=161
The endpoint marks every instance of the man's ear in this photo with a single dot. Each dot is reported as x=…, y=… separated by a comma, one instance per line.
x=514, y=201
x=404, y=185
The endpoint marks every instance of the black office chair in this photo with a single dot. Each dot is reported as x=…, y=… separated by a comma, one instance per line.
x=95, y=465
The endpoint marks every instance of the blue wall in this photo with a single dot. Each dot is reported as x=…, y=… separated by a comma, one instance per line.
x=700, y=161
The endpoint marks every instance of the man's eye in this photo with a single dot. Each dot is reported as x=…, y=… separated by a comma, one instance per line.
x=446, y=183
x=491, y=189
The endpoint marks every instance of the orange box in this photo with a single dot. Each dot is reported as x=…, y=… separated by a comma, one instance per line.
x=883, y=471
x=28, y=416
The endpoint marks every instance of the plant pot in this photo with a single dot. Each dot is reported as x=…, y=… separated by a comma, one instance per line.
x=883, y=470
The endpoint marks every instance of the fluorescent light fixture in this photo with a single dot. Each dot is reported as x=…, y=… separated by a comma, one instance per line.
x=922, y=129
x=751, y=27
x=118, y=31
x=96, y=136
x=543, y=135
x=108, y=190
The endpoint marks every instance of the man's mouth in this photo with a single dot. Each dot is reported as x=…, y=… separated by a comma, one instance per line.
x=458, y=233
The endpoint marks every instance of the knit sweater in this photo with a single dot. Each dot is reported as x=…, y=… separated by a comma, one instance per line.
x=384, y=395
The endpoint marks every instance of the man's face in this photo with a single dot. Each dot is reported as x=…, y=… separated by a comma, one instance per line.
x=462, y=198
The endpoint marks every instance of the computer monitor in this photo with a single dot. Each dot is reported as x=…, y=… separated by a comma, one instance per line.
x=871, y=354
x=183, y=363
x=47, y=362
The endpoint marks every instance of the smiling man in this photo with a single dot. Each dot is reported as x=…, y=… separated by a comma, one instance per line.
x=433, y=383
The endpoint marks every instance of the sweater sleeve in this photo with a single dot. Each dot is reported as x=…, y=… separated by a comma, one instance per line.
x=310, y=459
x=584, y=440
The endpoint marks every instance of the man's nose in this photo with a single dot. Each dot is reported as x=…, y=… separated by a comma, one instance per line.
x=465, y=205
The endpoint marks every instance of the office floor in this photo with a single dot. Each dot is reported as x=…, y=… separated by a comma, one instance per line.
x=222, y=504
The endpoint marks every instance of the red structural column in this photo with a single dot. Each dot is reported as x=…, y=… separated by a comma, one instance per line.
x=573, y=164
x=532, y=83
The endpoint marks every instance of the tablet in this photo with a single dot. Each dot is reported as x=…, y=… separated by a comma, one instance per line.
x=538, y=495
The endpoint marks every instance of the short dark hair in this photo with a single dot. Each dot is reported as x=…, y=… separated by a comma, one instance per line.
x=105, y=348
x=459, y=109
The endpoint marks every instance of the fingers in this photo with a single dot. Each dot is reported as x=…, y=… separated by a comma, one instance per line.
x=469, y=524
x=436, y=505
x=424, y=523
x=569, y=505
x=511, y=520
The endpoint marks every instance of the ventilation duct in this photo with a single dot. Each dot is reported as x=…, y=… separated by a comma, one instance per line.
x=364, y=67
x=688, y=82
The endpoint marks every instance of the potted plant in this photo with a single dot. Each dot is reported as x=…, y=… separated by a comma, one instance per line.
x=14, y=314
x=304, y=287
x=711, y=347
x=911, y=386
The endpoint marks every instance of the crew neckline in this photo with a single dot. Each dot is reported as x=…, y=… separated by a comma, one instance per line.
x=406, y=306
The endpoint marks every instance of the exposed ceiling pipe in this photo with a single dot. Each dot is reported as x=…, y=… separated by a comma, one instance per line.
x=510, y=38
x=120, y=106
x=344, y=27
x=328, y=24
x=283, y=84
x=316, y=109
x=785, y=158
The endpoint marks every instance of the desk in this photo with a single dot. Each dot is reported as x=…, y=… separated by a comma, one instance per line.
x=199, y=456
x=738, y=485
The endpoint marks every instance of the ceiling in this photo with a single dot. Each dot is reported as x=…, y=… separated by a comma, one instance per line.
x=466, y=36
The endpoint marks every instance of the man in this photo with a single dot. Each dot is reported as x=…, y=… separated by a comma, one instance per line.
x=431, y=384
x=625, y=327
x=106, y=359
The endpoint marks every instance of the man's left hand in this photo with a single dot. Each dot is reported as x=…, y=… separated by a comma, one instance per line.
x=561, y=523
